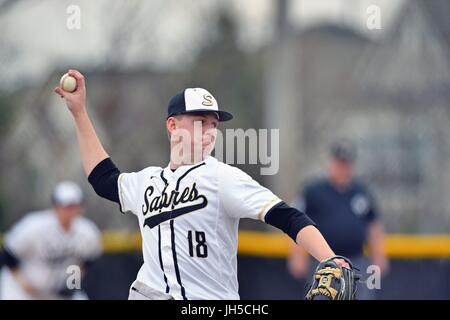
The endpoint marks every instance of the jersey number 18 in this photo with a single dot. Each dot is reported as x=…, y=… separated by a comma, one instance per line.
x=201, y=250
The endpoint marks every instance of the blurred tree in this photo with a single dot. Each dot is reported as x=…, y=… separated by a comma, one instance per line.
x=153, y=34
x=6, y=113
x=127, y=27
x=6, y=117
x=9, y=52
x=5, y=5
x=232, y=75
x=235, y=79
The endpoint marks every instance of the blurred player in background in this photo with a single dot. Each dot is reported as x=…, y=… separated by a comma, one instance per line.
x=346, y=214
x=40, y=248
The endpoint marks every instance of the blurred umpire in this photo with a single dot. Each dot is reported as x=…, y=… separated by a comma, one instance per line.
x=45, y=248
x=345, y=212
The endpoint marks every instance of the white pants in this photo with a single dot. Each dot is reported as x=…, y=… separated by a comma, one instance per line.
x=140, y=291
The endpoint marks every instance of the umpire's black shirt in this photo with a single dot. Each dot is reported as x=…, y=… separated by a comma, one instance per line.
x=342, y=216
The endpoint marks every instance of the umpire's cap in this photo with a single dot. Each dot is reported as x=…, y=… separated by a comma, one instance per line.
x=196, y=100
x=343, y=150
x=67, y=193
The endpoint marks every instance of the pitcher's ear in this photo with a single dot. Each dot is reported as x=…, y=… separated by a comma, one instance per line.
x=171, y=124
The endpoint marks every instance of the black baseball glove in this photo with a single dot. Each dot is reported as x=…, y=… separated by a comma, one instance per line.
x=332, y=282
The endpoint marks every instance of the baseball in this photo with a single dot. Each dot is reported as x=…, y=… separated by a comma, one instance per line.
x=68, y=83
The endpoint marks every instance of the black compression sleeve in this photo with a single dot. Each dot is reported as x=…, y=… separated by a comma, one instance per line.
x=287, y=219
x=9, y=259
x=104, y=180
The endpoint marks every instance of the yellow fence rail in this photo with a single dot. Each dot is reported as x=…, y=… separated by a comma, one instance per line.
x=276, y=245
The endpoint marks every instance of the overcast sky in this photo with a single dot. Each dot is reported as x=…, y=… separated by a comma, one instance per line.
x=159, y=33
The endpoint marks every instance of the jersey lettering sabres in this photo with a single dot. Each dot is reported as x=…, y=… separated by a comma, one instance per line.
x=158, y=203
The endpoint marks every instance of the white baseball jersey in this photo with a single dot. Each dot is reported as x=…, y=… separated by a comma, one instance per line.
x=189, y=224
x=45, y=251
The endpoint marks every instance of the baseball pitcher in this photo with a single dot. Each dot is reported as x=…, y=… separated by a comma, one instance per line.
x=189, y=211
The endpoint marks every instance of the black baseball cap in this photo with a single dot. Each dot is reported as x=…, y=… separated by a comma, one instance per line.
x=344, y=151
x=196, y=100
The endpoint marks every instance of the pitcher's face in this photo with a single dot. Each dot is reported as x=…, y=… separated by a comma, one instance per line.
x=195, y=133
